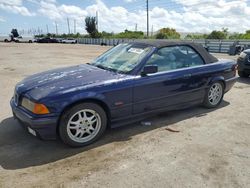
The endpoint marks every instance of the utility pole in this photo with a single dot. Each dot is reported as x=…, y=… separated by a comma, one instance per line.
x=56, y=28
x=47, y=28
x=147, y=19
x=136, y=27
x=75, y=26
x=152, y=30
x=96, y=20
x=68, y=25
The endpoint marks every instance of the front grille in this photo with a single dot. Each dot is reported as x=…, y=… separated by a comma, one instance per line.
x=247, y=60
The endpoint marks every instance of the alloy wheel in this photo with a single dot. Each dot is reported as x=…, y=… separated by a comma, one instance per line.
x=215, y=94
x=84, y=125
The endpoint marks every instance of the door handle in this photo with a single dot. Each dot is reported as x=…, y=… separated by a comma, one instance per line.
x=187, y=75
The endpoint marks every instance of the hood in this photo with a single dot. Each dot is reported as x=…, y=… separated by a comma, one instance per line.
x=247, y=51
x=65, y=79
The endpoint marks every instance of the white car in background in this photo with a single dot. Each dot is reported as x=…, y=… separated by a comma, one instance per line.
x=17, y=39
x=5, y=38
x=23, y=39
x=69, y=41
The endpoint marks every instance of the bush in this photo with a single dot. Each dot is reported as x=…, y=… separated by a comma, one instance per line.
x=167, y=33
x=217, y=35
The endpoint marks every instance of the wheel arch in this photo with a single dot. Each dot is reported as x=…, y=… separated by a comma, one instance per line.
x=222, y=82
x=85, y=100
x=218, y=79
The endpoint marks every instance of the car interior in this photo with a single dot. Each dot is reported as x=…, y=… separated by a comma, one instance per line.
x=177, y=57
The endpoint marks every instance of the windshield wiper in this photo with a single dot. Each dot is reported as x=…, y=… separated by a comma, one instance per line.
x=106, y=68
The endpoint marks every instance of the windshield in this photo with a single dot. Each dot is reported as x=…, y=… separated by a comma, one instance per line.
x=123, y=58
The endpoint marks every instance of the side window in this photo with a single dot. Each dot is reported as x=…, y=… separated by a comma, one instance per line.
x=175, y=57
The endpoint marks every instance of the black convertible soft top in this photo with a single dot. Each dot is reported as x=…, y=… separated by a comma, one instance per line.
x=207, y=57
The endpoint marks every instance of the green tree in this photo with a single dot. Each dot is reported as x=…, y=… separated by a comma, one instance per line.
x=217, y=35
x=167, y=33
x=130, y=34
x=160, y=36
x=196, y=36
x=14, y=33
x=90, y=26
x=225, y=30
x=105, y=34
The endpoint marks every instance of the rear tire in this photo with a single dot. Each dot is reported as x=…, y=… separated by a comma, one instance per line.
x=83, y=124
x=242, y=74
x=214, y=95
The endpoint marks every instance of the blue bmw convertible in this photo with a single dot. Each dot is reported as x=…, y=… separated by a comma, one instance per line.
x=125, y=84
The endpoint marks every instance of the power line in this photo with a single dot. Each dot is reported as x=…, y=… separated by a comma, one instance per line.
x=176, y=7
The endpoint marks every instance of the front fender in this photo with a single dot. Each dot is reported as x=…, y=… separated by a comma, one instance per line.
x=58, y=104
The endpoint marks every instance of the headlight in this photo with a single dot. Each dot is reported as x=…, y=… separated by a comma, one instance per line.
x=248, y=59
x=242, y=55
x=34, y=107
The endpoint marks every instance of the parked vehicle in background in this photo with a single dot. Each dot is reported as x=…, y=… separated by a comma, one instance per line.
x=23, y=39
x=243, y=62
x=69, y=41
x=59, y=40
x=125, y=84
x=6, y=39
x=18, y=39
x=47, y=40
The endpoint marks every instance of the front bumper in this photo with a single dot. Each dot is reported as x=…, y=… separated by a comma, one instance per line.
x=229, y=83
x=44, y=127
x=243, y=65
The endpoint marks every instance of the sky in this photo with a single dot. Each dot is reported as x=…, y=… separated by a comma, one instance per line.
x=202, y=16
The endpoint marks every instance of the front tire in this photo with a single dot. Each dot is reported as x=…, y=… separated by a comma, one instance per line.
x=82, y=124
x=214, y=95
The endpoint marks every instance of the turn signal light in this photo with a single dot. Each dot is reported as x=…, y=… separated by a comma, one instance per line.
x=40, y=109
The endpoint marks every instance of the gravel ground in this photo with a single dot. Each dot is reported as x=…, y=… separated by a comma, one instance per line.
x=211, y=148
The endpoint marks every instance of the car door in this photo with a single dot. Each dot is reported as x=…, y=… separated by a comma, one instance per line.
x=178, y=82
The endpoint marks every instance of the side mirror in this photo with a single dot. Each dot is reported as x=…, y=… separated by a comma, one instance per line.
x=149, y=69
